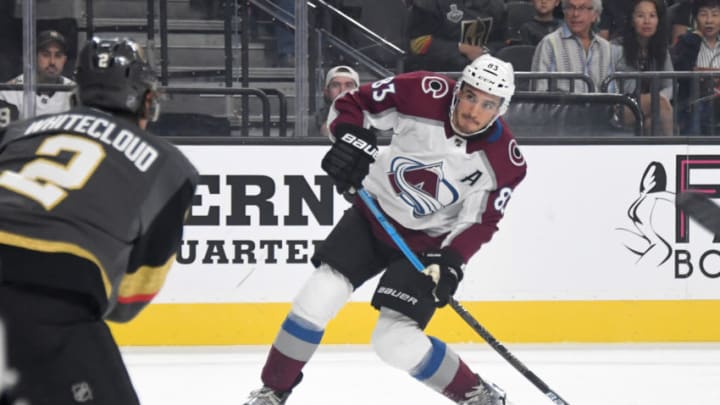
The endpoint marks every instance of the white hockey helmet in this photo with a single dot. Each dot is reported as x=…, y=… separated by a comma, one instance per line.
x=491, y=75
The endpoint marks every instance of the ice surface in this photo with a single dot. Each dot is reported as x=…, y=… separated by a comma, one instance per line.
x=627, y=374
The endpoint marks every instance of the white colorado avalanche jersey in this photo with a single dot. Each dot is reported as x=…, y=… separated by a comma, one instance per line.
x=438, y=188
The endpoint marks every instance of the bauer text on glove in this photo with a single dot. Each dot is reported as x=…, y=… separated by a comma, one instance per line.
x=348, y=160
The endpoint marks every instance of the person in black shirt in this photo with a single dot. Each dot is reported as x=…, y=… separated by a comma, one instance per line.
x=92, y=209
x=682, y=20
x=543, y=23
x=445, y=35
x=699, y=50
x=613, y=18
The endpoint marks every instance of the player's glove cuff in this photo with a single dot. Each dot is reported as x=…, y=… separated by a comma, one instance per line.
x=445, y=267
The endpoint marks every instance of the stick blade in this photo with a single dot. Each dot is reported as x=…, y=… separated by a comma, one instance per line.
x=700, y=208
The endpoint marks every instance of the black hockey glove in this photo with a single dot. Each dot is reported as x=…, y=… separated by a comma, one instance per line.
x=445, y=267
x=348, y=160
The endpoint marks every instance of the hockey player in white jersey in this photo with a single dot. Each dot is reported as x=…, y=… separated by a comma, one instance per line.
x=444, y=182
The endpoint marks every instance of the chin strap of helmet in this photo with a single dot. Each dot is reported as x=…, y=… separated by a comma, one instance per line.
x=152, y=113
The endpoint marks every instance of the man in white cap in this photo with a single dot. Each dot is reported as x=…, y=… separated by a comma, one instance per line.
x=51, y=59
x=338, y=80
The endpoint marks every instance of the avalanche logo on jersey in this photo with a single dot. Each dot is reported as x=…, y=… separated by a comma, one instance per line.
x=422, y=186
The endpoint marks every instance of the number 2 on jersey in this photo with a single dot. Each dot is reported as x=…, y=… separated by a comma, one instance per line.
x=47, y=181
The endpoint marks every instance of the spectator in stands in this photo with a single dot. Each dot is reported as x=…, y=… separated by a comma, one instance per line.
x=337, y=81
x=682, y=20
x=644, y=48
x=700, y=51
x=575, y=48
x=446, y=35
x=543, y=23
x=613, y=18
x=51, y=58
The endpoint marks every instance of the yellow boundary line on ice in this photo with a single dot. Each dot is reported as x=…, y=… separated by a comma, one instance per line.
x=521, y=322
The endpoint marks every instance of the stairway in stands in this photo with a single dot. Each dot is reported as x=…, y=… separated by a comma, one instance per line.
x=196, y=56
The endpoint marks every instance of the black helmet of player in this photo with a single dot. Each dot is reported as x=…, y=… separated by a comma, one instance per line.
x=113, y=75
x=491, y=75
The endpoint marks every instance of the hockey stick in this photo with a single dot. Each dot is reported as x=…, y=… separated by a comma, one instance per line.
x=464, y=314
x=701, y=208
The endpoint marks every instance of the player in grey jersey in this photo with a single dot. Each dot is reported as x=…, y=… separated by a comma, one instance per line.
x=92, y=208
x=444, y=182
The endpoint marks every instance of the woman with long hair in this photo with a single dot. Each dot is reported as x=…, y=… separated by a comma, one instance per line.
x=644, y=48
